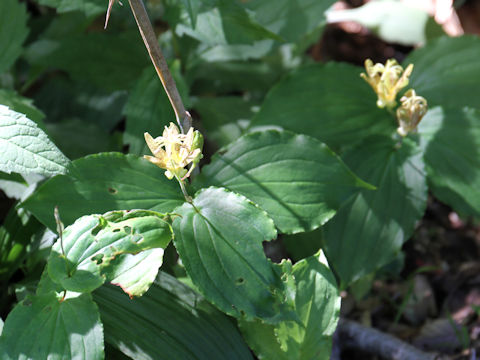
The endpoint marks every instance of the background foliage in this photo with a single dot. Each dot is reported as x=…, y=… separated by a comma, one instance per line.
x=297, y=153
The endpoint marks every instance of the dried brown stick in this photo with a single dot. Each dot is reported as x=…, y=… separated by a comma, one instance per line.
x=184, y=120
x=351, y=334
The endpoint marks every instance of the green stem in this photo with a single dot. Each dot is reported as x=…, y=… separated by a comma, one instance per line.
x=184, y=119
x=188, y=198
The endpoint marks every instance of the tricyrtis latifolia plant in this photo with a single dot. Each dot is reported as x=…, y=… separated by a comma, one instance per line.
x=121, y=212
x=387, y=81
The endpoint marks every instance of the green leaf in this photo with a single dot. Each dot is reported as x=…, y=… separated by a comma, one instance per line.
x=219, y=239
x=370, y=228
x=224, y=118
x=22, y=105
x=451, y=138
x=228, y=77
x=302, y=245
x=148, y=109
x=235, y=52
x=330, y=102
x=170, y=317
x=296, y=179
x=103, y=182
x=89, y=7
x=291, y=19
x=85, y=58
x=62, y=99
x=16, y=236
x=227, y=23
x=193, y=8
x=42, y=327
x=444, y=65
x=25, y=148
x=83, y=261
x=135, y=273
x=317, y=303
x=13, y=32
x=88, y=139
x=221, y=110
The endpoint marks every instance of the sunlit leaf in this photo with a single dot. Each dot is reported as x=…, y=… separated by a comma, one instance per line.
x=103, y=182
x=25, y=148
x=87, y=254
x=317, y=303
x=296, y=179
x=219, y=239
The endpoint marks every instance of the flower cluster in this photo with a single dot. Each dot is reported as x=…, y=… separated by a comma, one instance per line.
x=173, y=151
x=386, y=80
x=411, y=111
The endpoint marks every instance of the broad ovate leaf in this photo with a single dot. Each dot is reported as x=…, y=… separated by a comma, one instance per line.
x=219, y=239
x=90, y=251
x=25, y=148
x=170, y=321
x=46, y=327
x=103, y=182
x=371, y=227
x=317, y=304
x=446, y=71
x=327, y=101
x=451, y=138
x=296, y=179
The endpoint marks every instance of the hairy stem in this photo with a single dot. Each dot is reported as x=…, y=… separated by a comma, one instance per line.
x=184, y=119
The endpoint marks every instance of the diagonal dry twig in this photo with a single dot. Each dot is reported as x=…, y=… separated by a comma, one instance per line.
x=184, y=119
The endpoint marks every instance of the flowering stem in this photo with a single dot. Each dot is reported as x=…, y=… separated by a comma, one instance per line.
x=184, y=119
x=188, y=198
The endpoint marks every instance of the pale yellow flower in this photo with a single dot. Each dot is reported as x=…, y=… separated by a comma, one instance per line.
x=174, y=151
x=386, y=80
x=411, y=112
